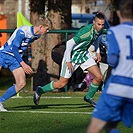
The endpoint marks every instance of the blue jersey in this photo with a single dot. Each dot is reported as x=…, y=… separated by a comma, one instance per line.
x=21, y=38
x=120, y=39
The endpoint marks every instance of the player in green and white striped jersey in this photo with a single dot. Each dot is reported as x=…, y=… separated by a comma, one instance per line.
x=85, y=37
x=76, y=55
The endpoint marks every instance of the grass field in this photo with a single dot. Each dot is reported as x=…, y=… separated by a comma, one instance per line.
x=57, y=113
x=62, y=112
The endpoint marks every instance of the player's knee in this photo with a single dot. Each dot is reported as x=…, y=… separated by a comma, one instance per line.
x=21, y=84
x=99, y=78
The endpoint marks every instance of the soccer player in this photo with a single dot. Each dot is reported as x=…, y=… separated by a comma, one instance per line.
x=76, y=55
x=116, y=101
x=11, y=56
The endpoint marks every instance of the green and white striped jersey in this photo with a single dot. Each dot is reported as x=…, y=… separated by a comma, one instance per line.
x=85, y=37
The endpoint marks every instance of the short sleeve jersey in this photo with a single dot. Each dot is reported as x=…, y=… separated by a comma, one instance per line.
x=120, y=39
x=22, y=37
x=83, y=39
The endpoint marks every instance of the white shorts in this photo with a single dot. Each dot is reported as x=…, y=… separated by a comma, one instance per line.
x=65, y=73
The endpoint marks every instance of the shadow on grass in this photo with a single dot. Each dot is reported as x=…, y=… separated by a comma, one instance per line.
x=51, y=106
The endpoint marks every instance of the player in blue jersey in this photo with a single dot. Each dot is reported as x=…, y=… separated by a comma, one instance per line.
x=77, y=55
x=116, y=101
x=11, y=56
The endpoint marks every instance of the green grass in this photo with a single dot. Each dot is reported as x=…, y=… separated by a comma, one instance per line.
x=68, y=114
x=56, y=113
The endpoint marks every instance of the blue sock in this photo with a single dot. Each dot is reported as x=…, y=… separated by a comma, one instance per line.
x=8, y=94
x=114, y=131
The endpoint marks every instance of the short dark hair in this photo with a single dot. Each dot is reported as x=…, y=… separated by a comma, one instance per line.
x=99, y=15
x=126, y=9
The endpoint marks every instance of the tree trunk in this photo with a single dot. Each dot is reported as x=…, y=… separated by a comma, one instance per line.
x=52, y=40
x=45, y=69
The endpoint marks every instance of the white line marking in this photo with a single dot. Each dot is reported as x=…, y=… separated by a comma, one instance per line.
x=50, y=112
x=45, y=97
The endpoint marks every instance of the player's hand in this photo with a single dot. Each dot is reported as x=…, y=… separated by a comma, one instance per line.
x=29, y=59
x=27, y=68
x=98, y=57
x=70, y=67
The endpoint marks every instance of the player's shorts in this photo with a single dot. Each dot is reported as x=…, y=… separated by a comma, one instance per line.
x=8, y=61
x=111, y=109
x=65, y=73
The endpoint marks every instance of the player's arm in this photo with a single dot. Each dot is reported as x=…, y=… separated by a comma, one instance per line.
x=97, y=42
x=69, y=46
x=113, y=50
x=27, y=68
x=16, y=43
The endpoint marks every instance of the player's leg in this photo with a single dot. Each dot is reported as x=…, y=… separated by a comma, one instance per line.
x=19, y=76
x=49, y=87
x=96, y=125
x=54, y=85
x=123, y=111
x=2, y=64
x=127, y=113
x=63, y=80
x=111, y=127
x=20, y=79
x=96, y=73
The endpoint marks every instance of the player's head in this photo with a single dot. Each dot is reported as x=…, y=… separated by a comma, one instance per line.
x=99, y=21
x=42, y=26
x=124, y=9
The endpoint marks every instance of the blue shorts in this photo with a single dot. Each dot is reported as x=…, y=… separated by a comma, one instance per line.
x=111, y=109
x=8, y=61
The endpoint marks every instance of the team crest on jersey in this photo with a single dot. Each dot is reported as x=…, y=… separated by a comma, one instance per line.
x=24, y=44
